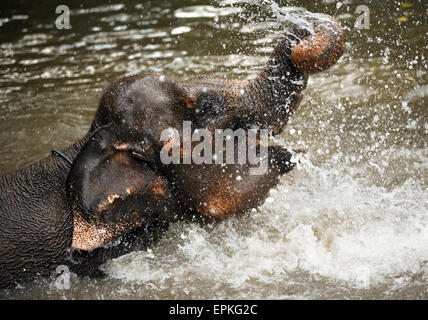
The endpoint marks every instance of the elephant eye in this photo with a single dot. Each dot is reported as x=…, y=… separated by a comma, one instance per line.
x=142, y=157
x=138, y=156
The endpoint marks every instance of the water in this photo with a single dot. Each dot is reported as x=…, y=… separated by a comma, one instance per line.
x=350, y=222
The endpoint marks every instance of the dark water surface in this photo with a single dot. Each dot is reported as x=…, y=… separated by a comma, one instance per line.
x=350, y=222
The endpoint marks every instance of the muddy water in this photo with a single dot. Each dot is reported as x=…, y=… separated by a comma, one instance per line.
x=350, y=222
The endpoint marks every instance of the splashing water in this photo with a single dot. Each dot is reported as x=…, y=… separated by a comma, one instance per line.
x=326, y=223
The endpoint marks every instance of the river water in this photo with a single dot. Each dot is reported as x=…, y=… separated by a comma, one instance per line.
x=350, y=222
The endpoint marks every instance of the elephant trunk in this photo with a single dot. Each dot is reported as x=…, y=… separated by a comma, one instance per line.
x=320, y=51
x=270, y=99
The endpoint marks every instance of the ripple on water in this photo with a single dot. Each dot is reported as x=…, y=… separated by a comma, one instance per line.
x=205, y=12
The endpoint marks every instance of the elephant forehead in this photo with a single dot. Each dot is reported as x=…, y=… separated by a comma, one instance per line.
x=142, y=94
x=146, y=110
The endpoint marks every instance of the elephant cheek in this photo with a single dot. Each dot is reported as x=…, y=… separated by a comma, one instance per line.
x=108, y=222
x=218, y=205
x=86, y=236
x=119, y=214
x=112, y=194
x=158, y=187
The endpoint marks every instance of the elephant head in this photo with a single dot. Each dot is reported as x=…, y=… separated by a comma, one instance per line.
x=118, y=182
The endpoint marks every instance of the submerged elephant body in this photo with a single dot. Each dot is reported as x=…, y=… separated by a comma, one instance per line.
x=52, y=213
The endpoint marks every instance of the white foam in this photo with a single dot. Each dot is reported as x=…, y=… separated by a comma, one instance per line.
x=326, y=222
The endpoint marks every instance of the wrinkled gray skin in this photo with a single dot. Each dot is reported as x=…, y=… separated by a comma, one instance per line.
x=117, y=187
x=35, y=219
x=36, y=224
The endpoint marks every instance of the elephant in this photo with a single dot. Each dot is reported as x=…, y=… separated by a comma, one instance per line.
x=92, y=201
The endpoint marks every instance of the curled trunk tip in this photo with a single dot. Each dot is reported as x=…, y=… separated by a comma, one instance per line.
x=320, y=51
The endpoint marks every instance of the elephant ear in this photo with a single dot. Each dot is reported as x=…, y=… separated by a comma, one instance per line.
x=111, y=193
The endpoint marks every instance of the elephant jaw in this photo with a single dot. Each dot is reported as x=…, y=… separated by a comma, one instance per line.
x=88, y=236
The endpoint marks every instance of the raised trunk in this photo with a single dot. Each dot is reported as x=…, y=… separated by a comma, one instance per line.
x=270, y=99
